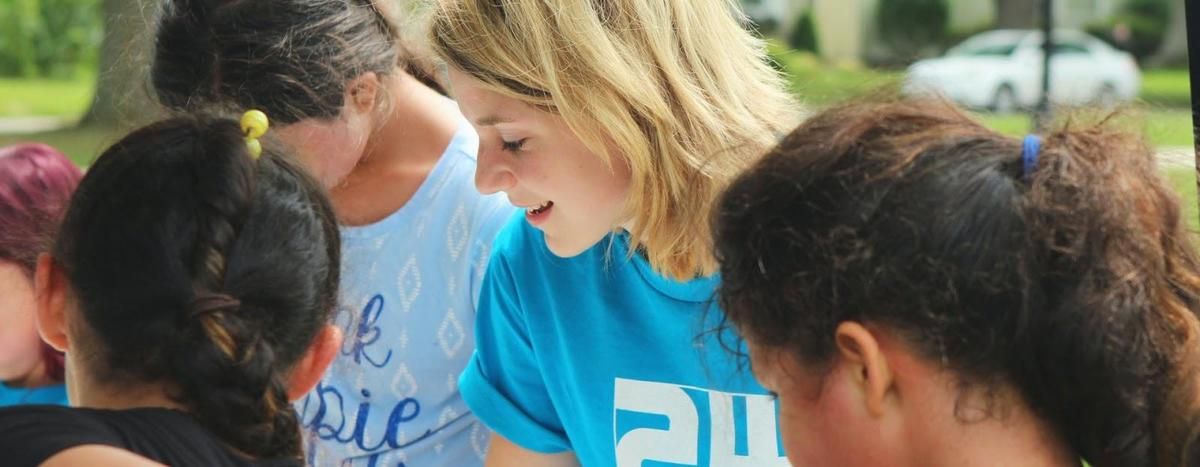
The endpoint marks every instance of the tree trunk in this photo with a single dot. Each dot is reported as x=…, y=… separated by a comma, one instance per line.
x=1174, y=48
x=123, y=97
x=1016, y=14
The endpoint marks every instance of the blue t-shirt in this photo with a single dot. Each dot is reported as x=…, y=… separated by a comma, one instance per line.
x=55, y=394
x=409, y=288
x=599, y=355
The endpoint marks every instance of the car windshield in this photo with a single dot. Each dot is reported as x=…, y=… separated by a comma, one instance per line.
x=1001, y=43
x=984, y=50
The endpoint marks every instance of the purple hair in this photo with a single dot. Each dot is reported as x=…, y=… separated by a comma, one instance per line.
x=36, y=182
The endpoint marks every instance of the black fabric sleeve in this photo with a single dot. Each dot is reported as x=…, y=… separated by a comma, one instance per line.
x=33, y=433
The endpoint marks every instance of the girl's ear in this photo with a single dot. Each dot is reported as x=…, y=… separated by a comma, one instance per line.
x=51, y=286
x=859, y=349
x=362, y=93
x=312, y=365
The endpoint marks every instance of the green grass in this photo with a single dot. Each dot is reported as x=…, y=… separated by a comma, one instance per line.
x=1166, y=88
x=1183, y=179
x=1164, y=128
x=819, y=84
x=81, y=144
x=66, y=99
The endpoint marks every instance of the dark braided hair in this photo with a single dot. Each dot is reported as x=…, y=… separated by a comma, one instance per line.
x=290, y=58
x=1077, y=286
x=201, y=268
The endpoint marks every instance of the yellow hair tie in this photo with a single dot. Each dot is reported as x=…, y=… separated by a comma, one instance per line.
x=254, y=125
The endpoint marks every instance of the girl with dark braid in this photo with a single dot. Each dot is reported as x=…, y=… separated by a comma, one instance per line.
x=190, y=288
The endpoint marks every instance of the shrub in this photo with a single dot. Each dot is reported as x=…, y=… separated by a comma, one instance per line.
x=1146, y=21
x=804, y=33
x=912, y=28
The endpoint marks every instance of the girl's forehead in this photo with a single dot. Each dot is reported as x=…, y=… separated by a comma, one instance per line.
x=485, y=106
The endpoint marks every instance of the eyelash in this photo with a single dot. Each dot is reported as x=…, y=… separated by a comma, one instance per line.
x=514, y=146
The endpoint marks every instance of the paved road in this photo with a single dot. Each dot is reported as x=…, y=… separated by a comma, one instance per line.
x=25, y=125
x=1184, y=157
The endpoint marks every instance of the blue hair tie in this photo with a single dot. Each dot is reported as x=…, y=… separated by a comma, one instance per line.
x=1030, y=149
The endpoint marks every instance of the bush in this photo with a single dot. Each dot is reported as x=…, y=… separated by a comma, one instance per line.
x=804, y=33
x=1146, y=21
x=912, y=28
x=49, y=38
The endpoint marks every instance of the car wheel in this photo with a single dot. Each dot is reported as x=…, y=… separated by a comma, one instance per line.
x=1005, y=100
x=1106, y=97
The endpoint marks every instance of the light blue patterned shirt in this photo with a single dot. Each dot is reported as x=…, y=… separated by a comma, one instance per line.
x=410, y=285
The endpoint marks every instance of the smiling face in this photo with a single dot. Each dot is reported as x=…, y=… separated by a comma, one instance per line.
x=567, y=191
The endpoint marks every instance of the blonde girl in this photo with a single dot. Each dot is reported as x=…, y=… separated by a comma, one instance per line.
x=613, y=124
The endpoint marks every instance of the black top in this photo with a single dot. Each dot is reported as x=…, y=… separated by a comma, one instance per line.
x=31, y=434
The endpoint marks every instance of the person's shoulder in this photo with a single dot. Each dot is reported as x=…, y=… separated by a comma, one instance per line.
x=55, y=421
x=19, y=413
x=40, y=432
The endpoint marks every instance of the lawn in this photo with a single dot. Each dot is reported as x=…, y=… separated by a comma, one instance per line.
x=1167, y=88
x=1165, y=128
x=67, y=99
x=82, y=145
x=1184, y=181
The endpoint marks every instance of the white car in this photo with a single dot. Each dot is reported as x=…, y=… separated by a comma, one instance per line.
x=1002, y=70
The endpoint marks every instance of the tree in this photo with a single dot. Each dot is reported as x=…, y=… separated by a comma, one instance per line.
x=1174, y=45
x=912, y=27
x=122, y=84
x=1016, y=14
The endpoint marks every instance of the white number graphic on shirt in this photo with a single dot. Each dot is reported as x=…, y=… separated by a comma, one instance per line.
x=680, y=441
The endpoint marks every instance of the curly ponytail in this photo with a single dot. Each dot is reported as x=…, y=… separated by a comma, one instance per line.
x=1075, y=284
x=1113, y=300
x=230, y=268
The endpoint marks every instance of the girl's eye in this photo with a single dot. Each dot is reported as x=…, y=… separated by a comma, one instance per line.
x=514, y=146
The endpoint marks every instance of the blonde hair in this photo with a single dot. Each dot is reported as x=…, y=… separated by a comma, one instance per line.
x=677, y=88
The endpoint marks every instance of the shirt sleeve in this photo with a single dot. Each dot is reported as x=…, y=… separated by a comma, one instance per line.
x=503, y=383
x=29, y=435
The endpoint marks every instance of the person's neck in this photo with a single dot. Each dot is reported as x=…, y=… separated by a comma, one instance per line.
x=1010, y=436
x=417, y=130
x=36, y=377
x=399, y=154
x=86, y=392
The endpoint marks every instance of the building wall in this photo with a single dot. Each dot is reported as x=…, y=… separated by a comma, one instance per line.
x=969, y=14
x=842, y=28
